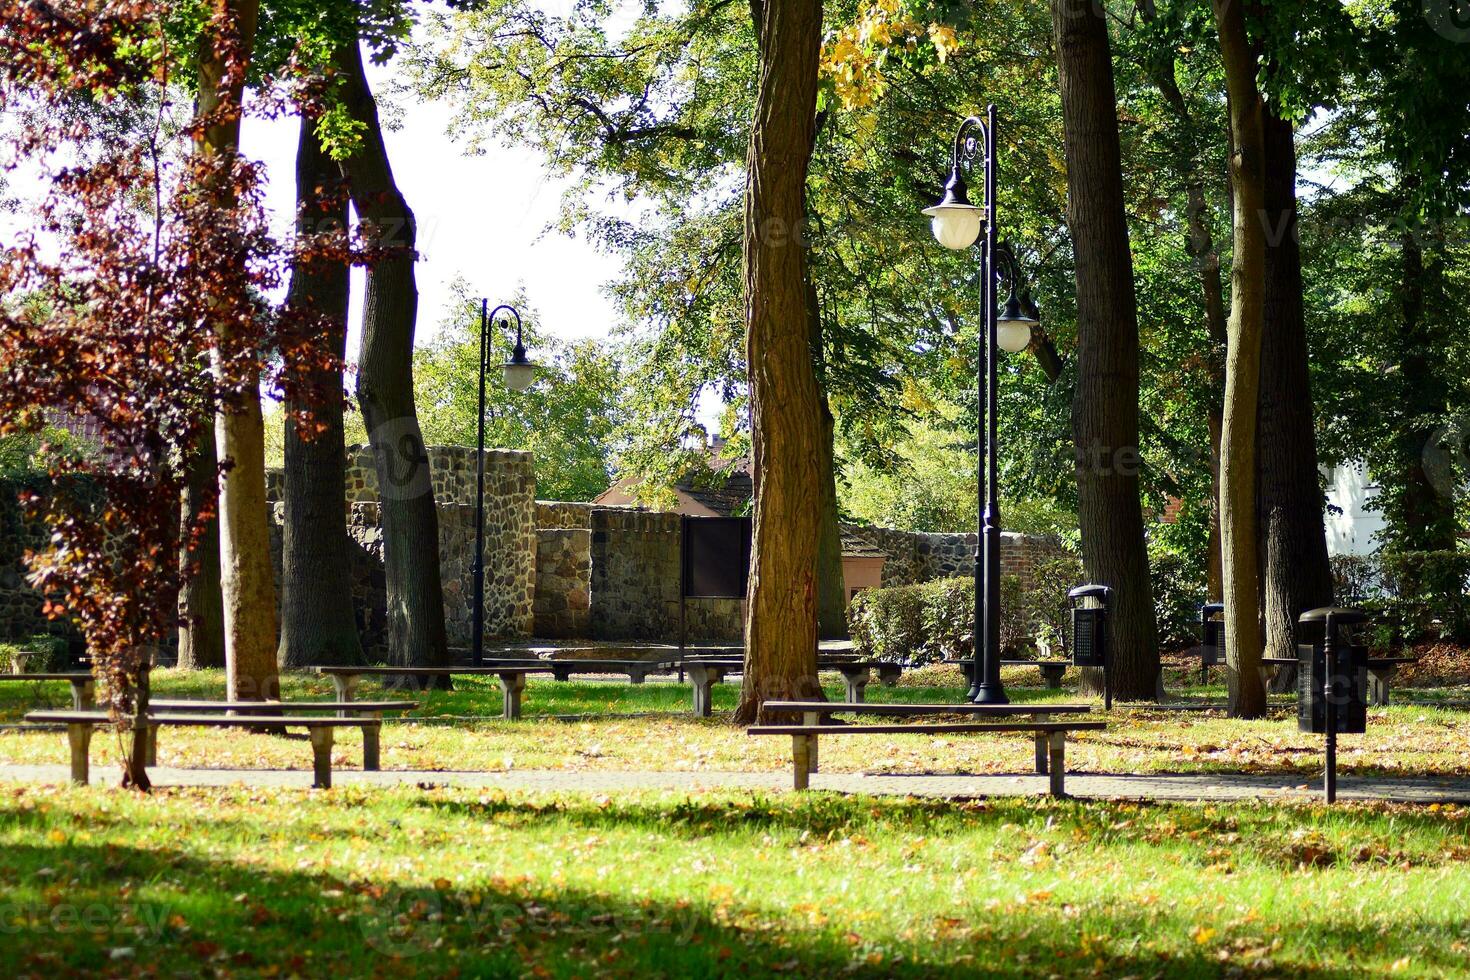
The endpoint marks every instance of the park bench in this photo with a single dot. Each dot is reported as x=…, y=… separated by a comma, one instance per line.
x=1380, y=673
x=1050, y=736
x=82, y=688
x=562, y=668
x=512, y=678
x=80, y=725
x=706, y=671
x=1051, y=670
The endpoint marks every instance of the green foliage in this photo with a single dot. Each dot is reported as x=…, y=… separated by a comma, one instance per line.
x=1179, y=591
x=567, y=418
x=1046, y=604
x=47, y=653
x=933, y=621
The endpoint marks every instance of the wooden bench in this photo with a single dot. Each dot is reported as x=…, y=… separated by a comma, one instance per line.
x=1051, y=670
x=80, y=724
x=372, y=710
x=1050, y=734
x=821, y=712
x=512, y=678
x=82, y=687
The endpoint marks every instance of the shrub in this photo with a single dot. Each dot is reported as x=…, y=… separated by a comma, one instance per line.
x=932, y=621
x=1179, y=590
x=1424, y=593
x=47, y=653
x=1046, y=606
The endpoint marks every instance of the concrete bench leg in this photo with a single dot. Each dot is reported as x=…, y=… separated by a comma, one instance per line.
x=370, y=744
x=321, y=757
x=703, y=680
x=80, y=737
x=801, y=760
x=511, y=686
x=1052, y=675
x=636, y=676
x=811, y=718
x=346, y=687
x=857, y=684
x=1042, y=746
x=1378, y=686
x=150, y=746
x=888, y=676
x=83, y=695
x=561, y=673
x=1058, y=763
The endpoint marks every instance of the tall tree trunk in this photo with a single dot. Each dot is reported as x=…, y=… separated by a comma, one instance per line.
x=318, y=625
x=246, y=578
x=831, y=589
x=416, y=635
x=1105, y=407
x=781, y=631
x=1295, y=570
x=1242, y=369
x=201, y=604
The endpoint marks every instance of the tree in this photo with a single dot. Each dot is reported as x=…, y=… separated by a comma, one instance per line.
x=1105, y=406
x=1243, y=369
x=201, y=633
x=1296, y=575
x=318, y=623
x=128, y=251
x=416, y=633
x=247, y=582
x=781, y=626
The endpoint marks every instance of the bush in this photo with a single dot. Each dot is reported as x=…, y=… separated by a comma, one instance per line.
x=1179, y=591
x=47, y=654
x=932, y=621
x=1424, y=594
x=1046, y=606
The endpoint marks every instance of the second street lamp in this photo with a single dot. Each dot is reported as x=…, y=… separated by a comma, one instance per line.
x=959, y=224
x=518, y=373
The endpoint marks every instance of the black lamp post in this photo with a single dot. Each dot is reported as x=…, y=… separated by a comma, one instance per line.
x=958, y=224
x=518, y=373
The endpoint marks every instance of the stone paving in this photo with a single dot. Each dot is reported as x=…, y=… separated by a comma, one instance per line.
x=1213, y=786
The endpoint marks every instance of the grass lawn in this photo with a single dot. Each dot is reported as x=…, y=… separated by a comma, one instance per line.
x=650, y=727
x=451, y=881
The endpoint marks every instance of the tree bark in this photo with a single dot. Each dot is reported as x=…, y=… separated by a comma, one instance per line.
x=781, y=631
x=1105, y=406
x=201, y=604
x=246, y=578
x=1242, y=369
x=416, y=634
x=1295, y=570
x=318, y=625
x=831, y=588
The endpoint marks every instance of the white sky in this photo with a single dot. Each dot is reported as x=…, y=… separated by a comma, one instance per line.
x=481, y=218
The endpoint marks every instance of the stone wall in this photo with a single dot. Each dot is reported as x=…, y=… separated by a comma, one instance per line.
x=917, y=556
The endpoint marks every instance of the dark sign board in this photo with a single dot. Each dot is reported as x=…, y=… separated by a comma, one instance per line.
x=716, y=557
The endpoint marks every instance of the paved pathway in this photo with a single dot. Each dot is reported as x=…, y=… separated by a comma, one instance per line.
x=1158, y=787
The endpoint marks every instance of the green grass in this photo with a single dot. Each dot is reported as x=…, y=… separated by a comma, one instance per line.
x=435, y=881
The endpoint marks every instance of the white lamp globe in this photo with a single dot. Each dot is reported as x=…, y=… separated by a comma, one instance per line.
x=519, y=375
x=1013, y=336
x=955, y=226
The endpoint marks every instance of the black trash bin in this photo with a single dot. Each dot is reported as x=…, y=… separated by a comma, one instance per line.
x=1090, y=631
x=1332, y=681
x=1211, y=638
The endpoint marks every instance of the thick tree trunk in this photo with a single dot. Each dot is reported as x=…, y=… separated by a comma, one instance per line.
x=1242, y=370
x=416, y=635
x=781, y=631
x=1105, y=407
x=318, y=625
x=1295, y=571
x=246, y=578
x=201, y=604
x=831, y=589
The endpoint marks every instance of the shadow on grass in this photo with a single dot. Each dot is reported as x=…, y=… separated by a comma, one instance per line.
x=91, y=909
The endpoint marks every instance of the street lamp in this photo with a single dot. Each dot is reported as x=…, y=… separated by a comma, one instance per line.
x=518, y=373
x=958, y=224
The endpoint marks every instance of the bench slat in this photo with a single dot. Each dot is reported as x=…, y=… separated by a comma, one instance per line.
x=205, y=721
x=868, y=708
x=165, y=704
x=78, y=676
x=1034, y=726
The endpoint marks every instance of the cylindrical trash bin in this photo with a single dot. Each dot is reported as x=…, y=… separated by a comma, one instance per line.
x=1090, y=631
x=1332, y=678
x=1211, y=638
